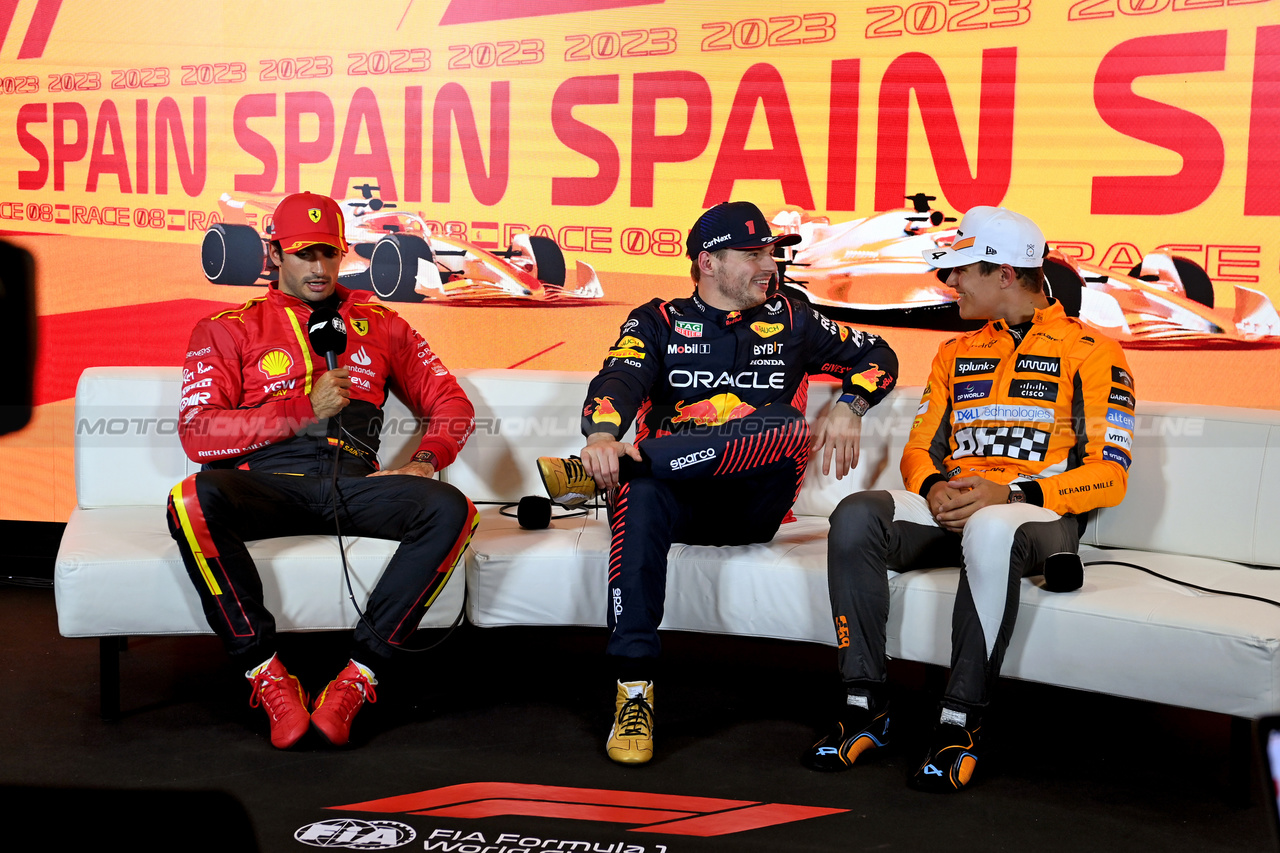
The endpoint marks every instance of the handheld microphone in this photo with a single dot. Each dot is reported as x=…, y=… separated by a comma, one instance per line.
x=328, y=334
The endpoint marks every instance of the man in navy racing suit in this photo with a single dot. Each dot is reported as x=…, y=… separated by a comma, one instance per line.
x=269, y=423
x=717, y=385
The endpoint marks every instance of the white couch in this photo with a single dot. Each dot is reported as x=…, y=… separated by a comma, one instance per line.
x=1204, y=497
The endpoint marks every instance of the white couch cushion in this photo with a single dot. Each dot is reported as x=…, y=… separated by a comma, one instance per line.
x=127, y=451
x=118, y=572
x=1181, y=647
x=1205, y=481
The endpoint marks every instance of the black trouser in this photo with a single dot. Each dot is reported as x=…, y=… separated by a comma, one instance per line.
x=213, y=513
x=726, y=485
x=873, y=533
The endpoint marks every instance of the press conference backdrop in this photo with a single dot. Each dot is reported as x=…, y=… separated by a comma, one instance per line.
x=128, y=129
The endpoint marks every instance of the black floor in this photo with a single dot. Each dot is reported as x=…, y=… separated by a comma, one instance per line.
x=189, y=767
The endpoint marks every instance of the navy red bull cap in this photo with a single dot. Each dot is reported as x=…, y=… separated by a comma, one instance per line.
x=733, y=225
x=305, y=219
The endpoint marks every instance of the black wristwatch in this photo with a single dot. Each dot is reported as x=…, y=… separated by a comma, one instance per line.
x=858, y=405
x=427, y=457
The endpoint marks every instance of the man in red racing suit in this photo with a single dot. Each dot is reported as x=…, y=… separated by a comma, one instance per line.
x=717, y=384
x=283, y=441
x=1024, y=427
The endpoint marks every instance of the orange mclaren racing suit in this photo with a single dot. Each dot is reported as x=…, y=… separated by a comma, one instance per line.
x=718, y=398
x=268, y=463
x=1051, y=408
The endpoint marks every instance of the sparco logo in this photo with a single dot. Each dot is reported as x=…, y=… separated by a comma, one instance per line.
x=693, y=459
x=970, y=366
x=617, y=601
x=356, y=834
x=1047, y=365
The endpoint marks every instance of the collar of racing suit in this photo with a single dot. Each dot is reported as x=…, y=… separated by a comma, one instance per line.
x=1049, y=314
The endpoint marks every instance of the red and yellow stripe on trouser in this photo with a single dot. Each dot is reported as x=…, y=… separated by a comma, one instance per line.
x=185, y=507
x=441, y=575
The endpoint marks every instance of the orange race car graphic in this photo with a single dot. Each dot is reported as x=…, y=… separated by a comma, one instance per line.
x=872, y=271
x=396, y=254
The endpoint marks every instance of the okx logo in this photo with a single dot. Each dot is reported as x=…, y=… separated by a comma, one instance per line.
x=671, y=814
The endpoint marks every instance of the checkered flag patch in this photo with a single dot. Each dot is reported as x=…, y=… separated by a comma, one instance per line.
x=1011, y=442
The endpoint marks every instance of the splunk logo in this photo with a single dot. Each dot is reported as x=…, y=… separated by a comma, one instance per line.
x=693, y=458
x=671, y=814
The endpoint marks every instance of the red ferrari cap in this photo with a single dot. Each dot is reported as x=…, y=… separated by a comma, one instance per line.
x=304, y=219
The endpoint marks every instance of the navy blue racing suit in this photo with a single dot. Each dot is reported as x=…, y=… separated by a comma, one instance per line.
x=718, y=398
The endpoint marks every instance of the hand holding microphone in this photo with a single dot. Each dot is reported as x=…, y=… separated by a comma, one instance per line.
x=332, y=391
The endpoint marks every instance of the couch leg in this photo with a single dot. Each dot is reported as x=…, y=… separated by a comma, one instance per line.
x=109, y=649
x=1240, y=762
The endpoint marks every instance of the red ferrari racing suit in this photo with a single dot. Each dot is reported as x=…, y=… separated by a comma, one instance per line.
x=269, y=462
x=1052, y=409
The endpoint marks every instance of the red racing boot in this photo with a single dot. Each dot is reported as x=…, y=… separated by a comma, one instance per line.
x=337, y=704
x=281, y=696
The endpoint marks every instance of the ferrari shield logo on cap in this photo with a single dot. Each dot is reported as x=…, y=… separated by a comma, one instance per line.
x=314, y=214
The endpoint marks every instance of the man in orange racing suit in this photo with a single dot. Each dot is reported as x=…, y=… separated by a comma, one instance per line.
x=717, y=384
x=270, y=424
x=1024, y=427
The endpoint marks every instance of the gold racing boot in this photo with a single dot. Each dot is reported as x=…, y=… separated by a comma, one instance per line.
x=631, y=738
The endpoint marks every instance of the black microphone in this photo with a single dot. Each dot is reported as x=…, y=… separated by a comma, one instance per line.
x=534, y=513
x=328, y=334
x=1063, y=572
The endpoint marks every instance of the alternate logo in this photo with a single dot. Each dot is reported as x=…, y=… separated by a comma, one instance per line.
x=605, y=413
x=1035, y=389
x=629, y=342
x=713, y=411
x=314, y=214
x=707, y=379
x=361, y=326
x=1124, y=420
x=1045, y=364
x=1119, y=437
x=767, y=330
x=774, y=307
x=647, y=813
x=1120, y=376
x=275, y=363
x=356, y=834
x=1113, y=455
x=688, y=328
x=704, y=455
x=626, y=353
x=974, y=389
x=1120, y=397
x=361, y=358
x=971, y=366
x=1026, y=414
x=688, y=349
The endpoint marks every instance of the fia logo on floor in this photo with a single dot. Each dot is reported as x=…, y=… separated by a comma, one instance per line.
x=356, y=834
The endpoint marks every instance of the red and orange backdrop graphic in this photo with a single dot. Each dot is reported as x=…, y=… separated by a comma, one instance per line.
x=1121, y=126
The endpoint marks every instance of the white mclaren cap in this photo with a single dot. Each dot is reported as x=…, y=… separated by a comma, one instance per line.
x=995, y=235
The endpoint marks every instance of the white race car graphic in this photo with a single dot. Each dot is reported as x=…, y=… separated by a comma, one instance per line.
x=395, y=254
x=872, y=271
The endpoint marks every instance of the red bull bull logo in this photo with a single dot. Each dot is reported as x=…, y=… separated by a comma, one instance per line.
x=868, y=379
x=713, y=411
x=605, y=412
